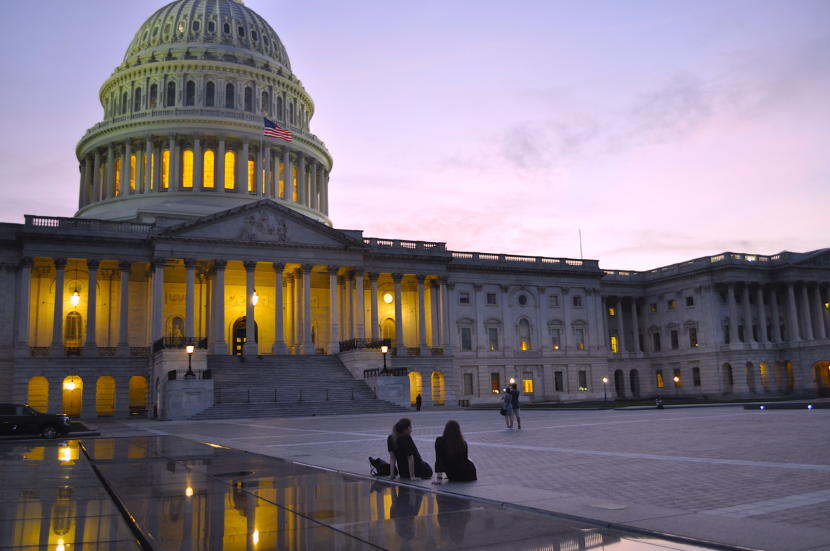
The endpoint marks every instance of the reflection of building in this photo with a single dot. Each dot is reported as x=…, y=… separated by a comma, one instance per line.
x=190, y=224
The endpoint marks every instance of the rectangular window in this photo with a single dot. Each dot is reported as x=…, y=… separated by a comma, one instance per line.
x=165, y=169
x=692, y=337
x=464, y=298
x=491, y=298
x=251, y=173
x=468, y=384
x=117, y=177
x=615, y=345
x=678, y=380
x=579, y=338
x=466, y=338
x=690, y=301
x=208, y=169
x=553, y=301
x=675, y=343
x=230, y=170
x=655, y=340
x=671, y=304
x=652, y=307
x=583, y=380
x=658, y=375
x=577, y=301
x=556, y=338
x=527, y=386
x=187, y=168
x=612, y=311
x=132, y=172
x=493, y=338
x=696, y=376
x=558, y=381
x=741, y=333
x=495, y=383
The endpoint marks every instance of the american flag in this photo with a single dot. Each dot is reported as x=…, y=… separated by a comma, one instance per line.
x=273, y=130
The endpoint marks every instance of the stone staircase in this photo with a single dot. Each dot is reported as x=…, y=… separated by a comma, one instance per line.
x=288, y=386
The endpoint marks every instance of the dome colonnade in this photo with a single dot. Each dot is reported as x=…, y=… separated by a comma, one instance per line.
x=183, y=120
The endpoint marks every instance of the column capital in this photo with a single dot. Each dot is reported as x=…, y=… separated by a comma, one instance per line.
x=92, y=263
x=306, y=267
x=373, y=276
x=358, y=272
x=476, y=286
x=340, y=280
x=26, y=262
x=420, y=277
x=250, y=265
x=397, y=277
x=158, y=263
x=190, y=263
x=60, y=263
x=278, y=266
x=220, y=264
x=125, y=265
x=333, y=270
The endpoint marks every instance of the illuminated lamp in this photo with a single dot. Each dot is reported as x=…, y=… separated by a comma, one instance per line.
x=75, y=299
x=254, y=298
x=188, y=491
x=388, y=298
x=255, y=537
x=69, y=385
x=512, y=381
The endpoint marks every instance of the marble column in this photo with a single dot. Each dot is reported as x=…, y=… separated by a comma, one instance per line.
x=825, y=298
x=198, y=165
x=301, y=179
x=251, y=348
x=748, y=336
x=110, y=186
x=373, y=283
x=125, y=170
x=157, y=165
x=90, y=347
x=334, y=345
x=296, y=298
x=565, y=344
x=148, y=160
x=220, y=346
x=806, y=316
x=422, y=316
x=219, y=167
x=24, y=305
x=190, y=307
x=636, y=324
x=360, y=310
x=793, y=332
x=279, y=338
x=445, y=315
x=821, y=323
x=308, y=345
x=124, y=309
x=173, y=183
x=348, y=307
x=158, y=299
x=289, y=312
x=242, y=170
x=57, y=323
x=733, y=314
x=286, y=175
x=314, y=203
x=762, y=314
x=621, y=324
x=400, y=345
x=96, y=177
x=776, y=315
x=434, y=301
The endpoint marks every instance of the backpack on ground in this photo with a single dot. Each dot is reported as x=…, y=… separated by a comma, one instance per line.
x=379, y=467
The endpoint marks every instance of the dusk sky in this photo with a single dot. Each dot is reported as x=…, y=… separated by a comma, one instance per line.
x=664, y=130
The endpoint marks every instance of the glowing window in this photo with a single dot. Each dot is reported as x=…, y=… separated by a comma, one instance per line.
x=209, y=168
x=117, y=177
x=524, y=335
x=251, y=173
x=652, y=307
x=615, y=346
x=281, y=190
x=527, y=386
x=672, y=304
x=187, y=168
x=152, y=170
x=132, y=172
x=612, y=311
x=295, y=194
x=230, y=170
x=165, y=168
x=659, y=378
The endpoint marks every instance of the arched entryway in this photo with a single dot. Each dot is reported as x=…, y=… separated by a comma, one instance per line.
x=73, y=391
x=238, y=335
x=387, y=331
x=416, y=386
x=634, y=380
x=619, y=383
x=790, y=377
x=750, y=377
x=105, y=396
x=38, y=394
x=821, y=371
x=778, y=374
x=138, y=395
x=437, y=388
x=763, y=371
x=728, y=378
x=73, y=329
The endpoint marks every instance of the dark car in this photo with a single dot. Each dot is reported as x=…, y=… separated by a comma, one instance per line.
x=22, y=419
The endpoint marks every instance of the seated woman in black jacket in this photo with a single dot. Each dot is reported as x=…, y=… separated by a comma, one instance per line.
x=404, y=453
x=451, y=455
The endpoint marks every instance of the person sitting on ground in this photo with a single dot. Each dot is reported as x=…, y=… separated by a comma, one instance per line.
x=451, y=455
x=405, y=454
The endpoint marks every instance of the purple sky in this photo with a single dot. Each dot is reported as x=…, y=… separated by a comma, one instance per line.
x=663, y=130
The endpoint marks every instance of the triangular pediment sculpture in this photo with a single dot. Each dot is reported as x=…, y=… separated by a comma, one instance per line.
x=263, y=222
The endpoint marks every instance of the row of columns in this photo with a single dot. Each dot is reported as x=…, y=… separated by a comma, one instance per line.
x=98, y=170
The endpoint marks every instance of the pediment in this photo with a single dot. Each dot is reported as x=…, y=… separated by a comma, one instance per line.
x=263, y=222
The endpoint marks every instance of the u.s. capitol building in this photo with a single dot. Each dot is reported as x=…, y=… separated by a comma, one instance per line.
x=193, y=229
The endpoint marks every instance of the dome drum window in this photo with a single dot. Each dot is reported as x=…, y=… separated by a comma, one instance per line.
x=226, y=28
x=241, y=31
x=196, y=25
x=229, y=100
x=190, y=93
x=211, y=27
x=170, y=100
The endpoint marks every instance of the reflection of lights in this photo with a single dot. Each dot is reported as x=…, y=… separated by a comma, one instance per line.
x=69, y=385
x=556, y=347
x=60, y=546
x=215, y=445
x=75, y=299
x=65, y=454
x=255, y=537
x=810, y=406
x=762, y=408
x=388, y=298
x=188, y=491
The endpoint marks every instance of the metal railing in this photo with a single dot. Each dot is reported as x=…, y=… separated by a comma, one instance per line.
x=179, y=342
x=354, y=344
x=264, y=396
x=380, y=372
x=85, y=225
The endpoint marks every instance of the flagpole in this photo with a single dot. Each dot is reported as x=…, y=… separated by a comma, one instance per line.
x=262, y=172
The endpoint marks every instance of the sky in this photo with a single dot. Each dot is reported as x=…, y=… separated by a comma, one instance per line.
x=662, y=130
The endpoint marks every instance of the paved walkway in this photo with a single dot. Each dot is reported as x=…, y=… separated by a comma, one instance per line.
x=758, y=479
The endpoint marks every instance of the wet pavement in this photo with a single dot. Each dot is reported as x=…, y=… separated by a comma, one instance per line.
x=169, y=493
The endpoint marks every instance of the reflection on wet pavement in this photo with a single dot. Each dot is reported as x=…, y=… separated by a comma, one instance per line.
x=185, y=495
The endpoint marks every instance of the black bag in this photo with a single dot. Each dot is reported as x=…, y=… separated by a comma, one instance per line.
x=379, y=467
x=503, y=411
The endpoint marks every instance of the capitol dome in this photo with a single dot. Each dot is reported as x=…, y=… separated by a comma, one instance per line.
x=182, y=131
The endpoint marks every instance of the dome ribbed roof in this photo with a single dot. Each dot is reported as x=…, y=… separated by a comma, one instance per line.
x=217, y=24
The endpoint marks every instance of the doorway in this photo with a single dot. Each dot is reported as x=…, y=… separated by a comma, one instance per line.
x=238, y=335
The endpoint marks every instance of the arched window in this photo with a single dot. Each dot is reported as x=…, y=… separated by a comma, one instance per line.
x=292, y=113
x=524, y=335
x=251, y=187
x=165, y=169
x=137, y=100
x=210, y=94
x=154, y=95
x=229, y=96
x=208, y=168
x=187, y=168
x=230, y=170
x=138, y=395
x=190, y=93
x=171, y=94
x=249, y=99
x=73, y=392
x=266, y=105
x=117, y=177
x=416, y=385
x=437, y=388
x=279, y=108
x=133, y=162
x=124, y=97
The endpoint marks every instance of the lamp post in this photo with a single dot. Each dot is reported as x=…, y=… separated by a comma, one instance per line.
x=189, y=374
x=384, y=350
x=676, y=380
x=605, y=389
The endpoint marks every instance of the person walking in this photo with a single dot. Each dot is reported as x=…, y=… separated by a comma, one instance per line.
x=405, y=452
x=507, y=406
x=514, y=402
x=418, y=402
x=451, y=455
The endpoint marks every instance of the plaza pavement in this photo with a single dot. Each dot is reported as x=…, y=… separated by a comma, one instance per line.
x=752, y=479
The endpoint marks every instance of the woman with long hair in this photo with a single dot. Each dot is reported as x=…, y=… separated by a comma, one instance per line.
x=404, y=453
x=451, y=455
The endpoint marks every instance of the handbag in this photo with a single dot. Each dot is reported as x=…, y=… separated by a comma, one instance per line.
x=503, y=411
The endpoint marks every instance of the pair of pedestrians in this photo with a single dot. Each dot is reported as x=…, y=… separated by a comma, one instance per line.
x=510, y=405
